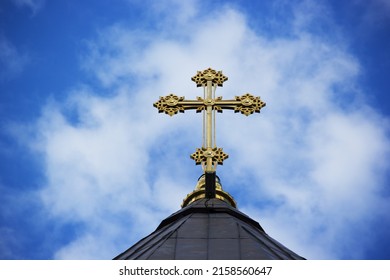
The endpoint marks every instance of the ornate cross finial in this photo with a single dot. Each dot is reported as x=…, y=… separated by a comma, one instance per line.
x=209, y=155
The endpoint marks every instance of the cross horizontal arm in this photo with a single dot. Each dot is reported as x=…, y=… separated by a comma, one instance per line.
x=246, y=104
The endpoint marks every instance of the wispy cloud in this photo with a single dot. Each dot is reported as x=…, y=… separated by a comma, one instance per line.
x=376, y=11
x=12, y=60
x=34, y=5
x=313, y=161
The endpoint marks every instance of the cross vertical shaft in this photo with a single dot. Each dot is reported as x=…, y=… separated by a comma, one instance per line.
x=209, y=125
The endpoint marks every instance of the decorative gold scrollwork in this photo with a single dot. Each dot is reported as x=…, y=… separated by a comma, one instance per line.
x=216, y=154
x=249, y=104
x=216, y=77
x=169, y=104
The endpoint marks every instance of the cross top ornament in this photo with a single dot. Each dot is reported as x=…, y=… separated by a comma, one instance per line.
x=209, y=155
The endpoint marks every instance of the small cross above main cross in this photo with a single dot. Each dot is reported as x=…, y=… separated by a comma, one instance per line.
x=209, y=155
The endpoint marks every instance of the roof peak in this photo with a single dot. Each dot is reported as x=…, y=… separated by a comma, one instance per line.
x=201, y=191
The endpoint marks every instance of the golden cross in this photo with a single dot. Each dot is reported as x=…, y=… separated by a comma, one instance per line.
x=209, y=155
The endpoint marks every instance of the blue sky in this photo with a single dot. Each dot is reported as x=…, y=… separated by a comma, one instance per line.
x=88, y=166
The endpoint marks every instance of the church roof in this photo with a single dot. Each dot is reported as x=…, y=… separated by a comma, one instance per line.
x=208, y=229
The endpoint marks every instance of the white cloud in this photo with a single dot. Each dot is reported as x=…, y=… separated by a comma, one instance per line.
x=116, y=166
x=96, y=154
x=184, y=11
